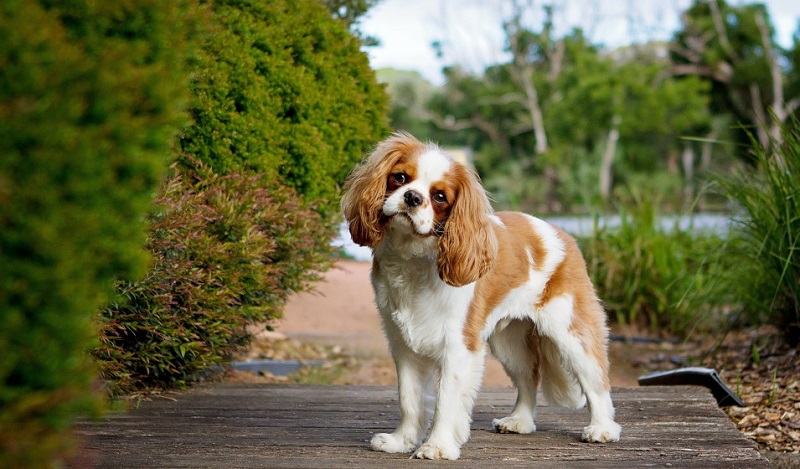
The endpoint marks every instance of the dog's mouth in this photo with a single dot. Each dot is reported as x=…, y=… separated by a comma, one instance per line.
x=405, y=219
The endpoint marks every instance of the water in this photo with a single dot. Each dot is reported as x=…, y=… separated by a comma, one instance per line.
x=579, y=226
x=700, y=222
x=345, y=242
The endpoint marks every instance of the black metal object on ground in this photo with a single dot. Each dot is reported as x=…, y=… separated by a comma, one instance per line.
x=695, y=376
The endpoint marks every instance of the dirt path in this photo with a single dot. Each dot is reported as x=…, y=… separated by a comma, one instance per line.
x=341, y=312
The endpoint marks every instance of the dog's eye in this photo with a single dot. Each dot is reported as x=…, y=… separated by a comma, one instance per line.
x=440, y=197
x=399, y=178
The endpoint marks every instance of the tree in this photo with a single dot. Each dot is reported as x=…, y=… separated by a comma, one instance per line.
x=564, y=124
x=409, y=93
x=507, y=104
x=733, y=48
x=284, y=89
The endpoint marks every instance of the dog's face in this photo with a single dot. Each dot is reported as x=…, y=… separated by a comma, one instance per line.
x=420, y=191
x=408, y=185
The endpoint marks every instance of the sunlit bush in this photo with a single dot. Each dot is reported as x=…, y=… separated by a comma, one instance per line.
x=284, y=89
x=227, y=252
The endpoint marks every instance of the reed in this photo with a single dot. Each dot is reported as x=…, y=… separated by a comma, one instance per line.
x=663, y=278
x=766, y=233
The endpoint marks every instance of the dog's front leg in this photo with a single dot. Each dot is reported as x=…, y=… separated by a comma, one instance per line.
x=415, y=382
x=459, y=382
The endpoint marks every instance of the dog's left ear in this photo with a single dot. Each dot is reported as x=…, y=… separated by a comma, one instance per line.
x=468, y=245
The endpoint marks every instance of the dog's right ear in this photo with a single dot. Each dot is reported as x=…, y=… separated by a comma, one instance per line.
x=362, y=203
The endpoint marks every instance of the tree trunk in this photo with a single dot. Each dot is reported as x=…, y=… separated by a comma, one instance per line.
x=687, y=161
x=606, y=165
x=705, y=163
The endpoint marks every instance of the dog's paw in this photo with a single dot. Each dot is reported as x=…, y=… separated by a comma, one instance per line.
x=391, y=443
x=433, y=451
x=514, y=425
x=602, y=433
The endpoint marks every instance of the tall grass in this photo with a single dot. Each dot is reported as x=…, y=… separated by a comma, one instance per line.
x=766, y=233
x=665, y=279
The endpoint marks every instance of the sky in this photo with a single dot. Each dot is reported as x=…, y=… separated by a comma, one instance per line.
x=471, y=35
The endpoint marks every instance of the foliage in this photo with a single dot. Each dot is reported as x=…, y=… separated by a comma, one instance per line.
x=564, y=124
x=283, y=104
x=90, y=97
x=227, y=253
x=409, y=92
x=585, y=97
x=284, y=89
x=767, y=233
x=665, y=278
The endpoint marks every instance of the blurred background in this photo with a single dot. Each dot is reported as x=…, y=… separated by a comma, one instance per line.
x=570, y=106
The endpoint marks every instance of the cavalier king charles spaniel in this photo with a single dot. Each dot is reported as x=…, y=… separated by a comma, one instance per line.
x=451, y=277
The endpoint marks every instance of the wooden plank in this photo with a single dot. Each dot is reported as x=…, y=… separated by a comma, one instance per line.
x=240, y=425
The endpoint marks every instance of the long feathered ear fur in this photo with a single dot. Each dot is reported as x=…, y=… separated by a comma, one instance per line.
x=468, y=246
x=362, y=203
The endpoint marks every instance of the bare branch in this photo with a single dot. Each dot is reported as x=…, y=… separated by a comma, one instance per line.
x=688, y=54
x=493, y=132
x=522, y=71
x=556, y=59
x=792, y=105
x=721, y=32
x=777, y=80
x=506, y=98
x=607, y=163
x=760, y=115
x=723, y=73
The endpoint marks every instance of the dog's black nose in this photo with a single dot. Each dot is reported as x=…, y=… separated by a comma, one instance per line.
x=413, y=198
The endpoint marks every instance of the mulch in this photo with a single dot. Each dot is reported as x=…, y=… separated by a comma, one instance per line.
x=758, y=366
x=765, y=373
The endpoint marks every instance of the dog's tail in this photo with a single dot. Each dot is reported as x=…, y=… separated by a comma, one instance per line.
x=559, y=386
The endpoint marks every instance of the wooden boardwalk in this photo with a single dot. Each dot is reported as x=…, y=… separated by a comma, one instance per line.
x=290, y=426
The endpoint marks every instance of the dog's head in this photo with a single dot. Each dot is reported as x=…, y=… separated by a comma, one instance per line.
x=417, y=188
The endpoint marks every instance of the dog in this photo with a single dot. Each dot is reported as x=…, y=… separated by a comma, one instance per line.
x=450, y=277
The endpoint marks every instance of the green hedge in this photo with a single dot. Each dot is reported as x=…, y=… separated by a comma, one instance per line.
x=284, y=89
x=283, y=105
x=90, y=96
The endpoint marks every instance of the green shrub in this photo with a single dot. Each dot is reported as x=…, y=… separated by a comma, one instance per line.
x=227, y=252
x=90, y=96
x=666, y=280
x=766, y=235
x=284, y=89
x=281, y=90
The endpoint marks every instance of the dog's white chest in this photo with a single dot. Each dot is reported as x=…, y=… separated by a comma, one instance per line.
x=424, y=311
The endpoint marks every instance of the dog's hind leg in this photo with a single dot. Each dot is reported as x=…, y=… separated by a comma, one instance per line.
x=516, y=348
x=581, y=343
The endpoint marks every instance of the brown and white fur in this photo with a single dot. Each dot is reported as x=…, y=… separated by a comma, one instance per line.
x=451, y=276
